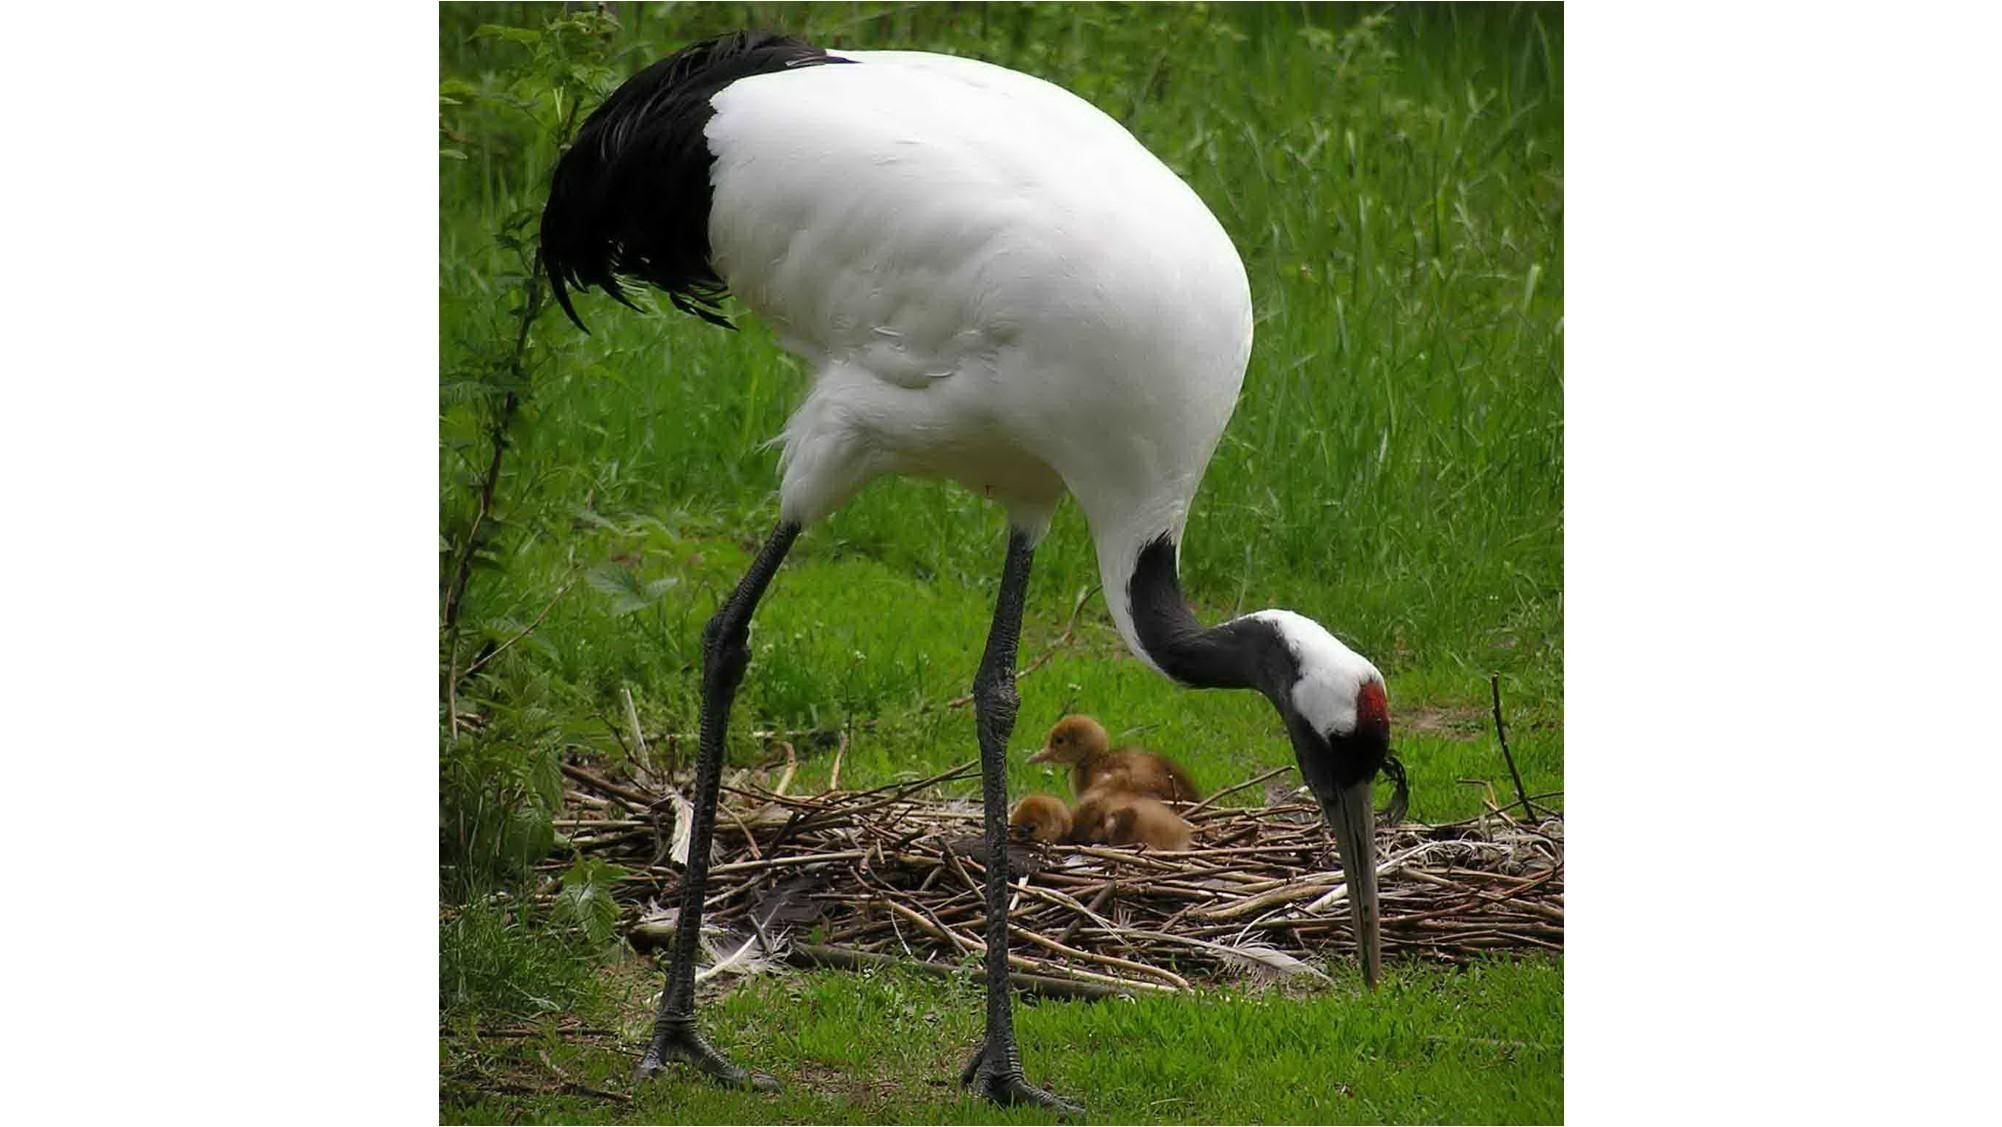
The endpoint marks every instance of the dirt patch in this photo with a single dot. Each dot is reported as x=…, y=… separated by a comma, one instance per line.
x=1444, y=723
x=852, y=1084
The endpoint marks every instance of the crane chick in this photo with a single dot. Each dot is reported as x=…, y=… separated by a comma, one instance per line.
x=1081, y=743
x=1107, y=816
x=1039, y=817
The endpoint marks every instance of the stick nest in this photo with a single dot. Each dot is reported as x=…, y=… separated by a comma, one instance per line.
x=894, y=874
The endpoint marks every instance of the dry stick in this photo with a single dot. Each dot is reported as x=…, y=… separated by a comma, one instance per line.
x=1233, y=790
x=525, y=632
x=1070, y=630
x=776, y=862
x=643, y=801
x=932, y=927
x=509, y=1088
x=1091, y=910
x=524, y=1033
x=1215, y=949
x=1282, y=895
x=766, y=735
x=807, y=822
x=1169, y=977
x=834, y=773
x=792, y=765
x=1521, y=792
x=1060, y=900
x=606, y=841
x=972, y=946
x=750, y=839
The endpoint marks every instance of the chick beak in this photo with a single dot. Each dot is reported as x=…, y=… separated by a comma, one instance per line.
x=1042, y=756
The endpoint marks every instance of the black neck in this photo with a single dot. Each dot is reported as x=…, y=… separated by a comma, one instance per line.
x=1242, y=654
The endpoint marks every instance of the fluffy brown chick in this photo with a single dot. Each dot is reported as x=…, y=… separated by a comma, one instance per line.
x=1081, y=743
x=1039, y=817
x=1106, y=816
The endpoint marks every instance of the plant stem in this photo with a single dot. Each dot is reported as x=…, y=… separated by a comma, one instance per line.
x=1495, y=687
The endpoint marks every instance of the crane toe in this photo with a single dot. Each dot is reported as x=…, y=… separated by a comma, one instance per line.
x=692, y=1047
x=1004, y=1084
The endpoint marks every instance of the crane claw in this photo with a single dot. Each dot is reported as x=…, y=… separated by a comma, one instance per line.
x=1005, y=1085
x=684, y=1043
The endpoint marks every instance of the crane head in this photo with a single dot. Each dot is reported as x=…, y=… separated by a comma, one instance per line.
x=1338, y=718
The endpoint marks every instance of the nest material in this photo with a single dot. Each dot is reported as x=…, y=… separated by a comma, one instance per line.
x=895, y=873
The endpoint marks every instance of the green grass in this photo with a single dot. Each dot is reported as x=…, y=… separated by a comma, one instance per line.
x=1394, y=469
x=1481, y=1044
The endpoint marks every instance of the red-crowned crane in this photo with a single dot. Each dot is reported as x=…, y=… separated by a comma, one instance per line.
x=994, y=283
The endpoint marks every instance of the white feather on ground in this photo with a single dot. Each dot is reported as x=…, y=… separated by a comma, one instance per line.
x=1265, y=959
x=684, y=827
x=750, y=957
x=1246, y=956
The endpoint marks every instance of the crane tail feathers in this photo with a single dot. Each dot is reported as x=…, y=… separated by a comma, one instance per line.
x=562, y=293
x=630, y=197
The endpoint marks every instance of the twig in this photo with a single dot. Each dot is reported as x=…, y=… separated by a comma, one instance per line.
x=834, y=773
x=1063, y=641
x=1233, y=790
x=777, y=862
x=568, y=1087
x=1521, y=792
x=1091, y=910
x=452, y=686
x=1168, y=977
x=792, y=765
x=525, y=632
x=643, y=801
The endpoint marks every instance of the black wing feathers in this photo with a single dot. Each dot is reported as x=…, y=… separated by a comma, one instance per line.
x=631, y=196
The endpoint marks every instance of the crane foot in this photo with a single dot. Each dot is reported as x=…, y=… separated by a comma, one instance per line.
x=682, y=1042
x=1005, y=1085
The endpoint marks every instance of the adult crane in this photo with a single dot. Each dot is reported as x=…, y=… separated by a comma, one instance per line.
x=995, y=283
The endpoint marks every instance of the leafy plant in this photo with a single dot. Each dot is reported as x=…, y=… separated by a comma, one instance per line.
x=587, y=897
x=625, y=590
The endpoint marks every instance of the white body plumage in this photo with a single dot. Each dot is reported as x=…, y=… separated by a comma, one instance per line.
x=993, y=281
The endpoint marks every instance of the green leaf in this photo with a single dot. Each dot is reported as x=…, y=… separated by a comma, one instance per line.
x=587, y=897
x=546, y=778
x=623, y=588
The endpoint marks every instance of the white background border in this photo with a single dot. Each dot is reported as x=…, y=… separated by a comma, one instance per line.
x=218, y=451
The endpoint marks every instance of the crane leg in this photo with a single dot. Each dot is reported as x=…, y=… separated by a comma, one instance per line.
x=996, y=1068
x=724, y=656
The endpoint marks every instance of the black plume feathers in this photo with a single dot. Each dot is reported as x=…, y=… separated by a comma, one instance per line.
x=631, y=197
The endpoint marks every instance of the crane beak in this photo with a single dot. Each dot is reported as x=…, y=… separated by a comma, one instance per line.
x=1330, y=766
x=1353, y=819
x=1042, y=756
